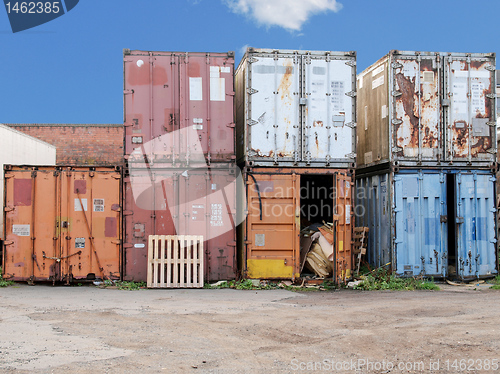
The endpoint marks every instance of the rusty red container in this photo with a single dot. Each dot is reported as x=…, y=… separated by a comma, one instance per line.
x=169, y=91
x=179, y=201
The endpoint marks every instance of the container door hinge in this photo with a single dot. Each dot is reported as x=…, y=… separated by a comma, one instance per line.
x=397, y=121
x=127, y=92
x=396, y=93
x=231, y=244
x=351, y=93
x=8, y=209
x=490, y=68
x=396, y=149
x=350, y=155
x=491, y=124
x=128, y=212
x=460, y=220
x=231, y=125
x=490, y=96
x=127, y=245
x=443, y=219
x=251, y=91
x=492, y=151
x=232, y=93
x=352, y=125
x=251, y=60
x=117, y=242
x=251, y=122
x=351, y=63
x=8, y=242
x=396, y=65
x=7, y=176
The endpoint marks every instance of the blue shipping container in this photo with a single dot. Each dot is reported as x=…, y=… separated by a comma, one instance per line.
x=439, y=223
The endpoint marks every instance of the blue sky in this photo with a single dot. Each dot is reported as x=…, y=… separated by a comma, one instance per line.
x=70, y=69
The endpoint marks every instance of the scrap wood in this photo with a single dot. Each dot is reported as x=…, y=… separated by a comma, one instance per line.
x=327, y=233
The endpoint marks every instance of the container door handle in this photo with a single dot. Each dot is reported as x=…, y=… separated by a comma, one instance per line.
x=460, y=219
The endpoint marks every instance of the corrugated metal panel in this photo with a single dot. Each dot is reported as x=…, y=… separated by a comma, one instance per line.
x=296, y=108
x=374, y=210
x=162, y=201
x=283, y=201
x=17, y=148
x=438, y=223
x=62, y=224
x=169, y=91
x=427, y=109
x=476, y=213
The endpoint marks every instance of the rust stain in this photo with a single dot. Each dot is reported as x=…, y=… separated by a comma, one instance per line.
x=318, y=124
x=138, y=76
x=286, y=82
x=407, y=88
x=22, y=192
x=160, y=76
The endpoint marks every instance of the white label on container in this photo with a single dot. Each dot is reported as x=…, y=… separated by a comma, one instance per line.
x=139, y=245
x=378, y=82
x=378, y=70
x=79, y=242
x=477, y=93
x=347, y=214
x=98, y=205
x=198, y=127
x=214, y=186
x=473, y=74
x=21, y=230
x=225, y=69
x=78, y=207
x=368, y=157
x=195, y=89
x=459, y=97
x=216, y=215
x=260, y=240
x=338, y=93
x=384, y=111
x=217, y=89
x=197, y=120
x=214, y=72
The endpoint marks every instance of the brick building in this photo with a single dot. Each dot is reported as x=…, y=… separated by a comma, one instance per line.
x=80, y=144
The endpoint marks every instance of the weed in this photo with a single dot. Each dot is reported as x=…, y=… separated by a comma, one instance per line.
x=496, y=283
x=4, y=282
x=382, y=279
x=130, y=286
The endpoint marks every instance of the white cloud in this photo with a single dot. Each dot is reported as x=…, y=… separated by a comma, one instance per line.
x=289, y=14
x=244, y=49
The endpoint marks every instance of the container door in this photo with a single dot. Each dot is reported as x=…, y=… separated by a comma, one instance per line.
x=146, y=213
x=206, y=206
x=273, y=226
x=421, y=228
x=417, y=114
x=93, y=249
x=343, y=218
x=470, y=118
x=475, y=225
x=31, y=227
x=274, y=115
x=330, y=111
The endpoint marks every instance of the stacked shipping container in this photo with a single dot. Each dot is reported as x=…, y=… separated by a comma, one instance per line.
x=179, y=148
x=295, y=120
x=426, y=161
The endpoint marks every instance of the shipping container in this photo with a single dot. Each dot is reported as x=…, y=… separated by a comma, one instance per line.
x=21, y=149
x=428, y=109
x=168, y=201
x=296, y=108
x=168, y=91
x=430, y=222
x=62, y=223
x=283, y=201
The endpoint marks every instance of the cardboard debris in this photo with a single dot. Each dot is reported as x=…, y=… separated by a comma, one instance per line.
x=318, y=262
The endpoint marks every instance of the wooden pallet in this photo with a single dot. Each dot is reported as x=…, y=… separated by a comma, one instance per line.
x=360, y=243
x=175, y=261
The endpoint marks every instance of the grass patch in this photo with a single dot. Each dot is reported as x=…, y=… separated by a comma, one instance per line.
x=496, y=283
x=248, y=284
x=382, y=279
x=5, y=282
x=125, y=285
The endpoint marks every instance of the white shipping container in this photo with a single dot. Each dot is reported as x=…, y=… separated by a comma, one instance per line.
x=296, y=108
x=17, y=148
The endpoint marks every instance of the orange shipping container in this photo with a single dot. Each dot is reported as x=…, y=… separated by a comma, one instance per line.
x=283, y=201
x=62, y=223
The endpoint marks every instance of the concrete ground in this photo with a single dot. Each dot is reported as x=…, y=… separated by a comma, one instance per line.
x=45, y=329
